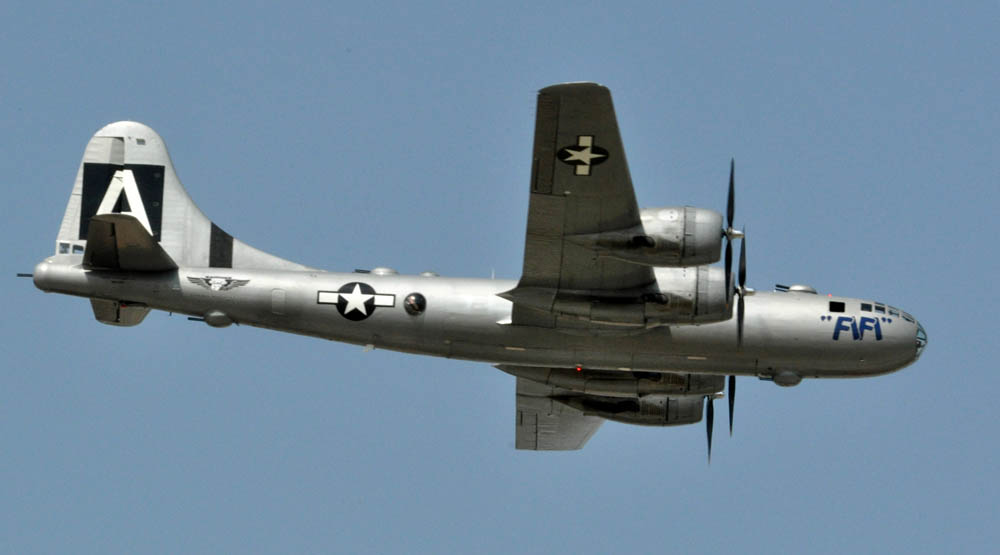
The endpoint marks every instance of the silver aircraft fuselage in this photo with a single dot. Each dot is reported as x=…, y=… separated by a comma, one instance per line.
x=792, y=334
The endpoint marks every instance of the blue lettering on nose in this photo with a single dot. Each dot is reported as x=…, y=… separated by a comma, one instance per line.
x=842, y=326
x=857, y=329
x=867, y=324
x=873, y=325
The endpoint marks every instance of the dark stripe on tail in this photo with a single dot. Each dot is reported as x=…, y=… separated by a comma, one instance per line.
x=220, y=249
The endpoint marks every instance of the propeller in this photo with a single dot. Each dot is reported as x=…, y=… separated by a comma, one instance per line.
x=730, y=233
x=709, y=422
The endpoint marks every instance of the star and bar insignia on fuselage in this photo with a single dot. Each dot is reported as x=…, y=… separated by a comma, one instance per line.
x=583, y=154
x=355, y=301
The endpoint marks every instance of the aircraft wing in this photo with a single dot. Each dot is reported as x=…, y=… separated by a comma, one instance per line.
x=543, y=424
x=580, y=184
x=559, y=409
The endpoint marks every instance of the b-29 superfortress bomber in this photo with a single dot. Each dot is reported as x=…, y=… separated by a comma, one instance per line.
x=619, y=313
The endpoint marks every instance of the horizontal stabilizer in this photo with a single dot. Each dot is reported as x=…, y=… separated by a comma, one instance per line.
x=121, y=242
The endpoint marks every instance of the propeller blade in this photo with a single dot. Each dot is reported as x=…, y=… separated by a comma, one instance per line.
x=739, y=322
x=743, y=260
x=730, y=205
x=743, y=291
x=709, y=421
x=729, y=270
x=728, y=232
x=732, y=402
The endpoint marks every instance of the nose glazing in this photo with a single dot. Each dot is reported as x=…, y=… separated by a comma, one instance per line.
x=921, y=339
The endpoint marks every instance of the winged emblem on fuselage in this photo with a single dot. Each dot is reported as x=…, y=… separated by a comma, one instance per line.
x=218, y=283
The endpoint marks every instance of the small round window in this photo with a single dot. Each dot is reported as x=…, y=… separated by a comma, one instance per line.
x=415, y=304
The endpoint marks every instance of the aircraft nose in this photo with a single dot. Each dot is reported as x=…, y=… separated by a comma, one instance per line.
x=921, y=339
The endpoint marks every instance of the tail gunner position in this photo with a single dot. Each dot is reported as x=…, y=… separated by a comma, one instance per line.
x=618, y=313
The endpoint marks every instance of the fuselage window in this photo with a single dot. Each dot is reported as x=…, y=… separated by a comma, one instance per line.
x=415, y=304
x=836, y=306
x=867, y=307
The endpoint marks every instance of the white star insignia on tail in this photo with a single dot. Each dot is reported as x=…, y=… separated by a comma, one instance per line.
x=583, y=154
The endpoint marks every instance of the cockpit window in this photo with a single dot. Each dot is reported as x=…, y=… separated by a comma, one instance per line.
x=880, y=309
x=77, y=249
x=908, y=318
x=63, y=248
x=836, y=306
x=867, y=307
x=893, y=312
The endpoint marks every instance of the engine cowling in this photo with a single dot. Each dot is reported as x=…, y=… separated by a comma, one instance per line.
x=694, y=295
x=651, y=410
x=619, y=384
x=683, y=296
x=672, y=236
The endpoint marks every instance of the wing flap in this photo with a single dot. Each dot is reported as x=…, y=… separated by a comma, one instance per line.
x=544, y=155
x=543, y=424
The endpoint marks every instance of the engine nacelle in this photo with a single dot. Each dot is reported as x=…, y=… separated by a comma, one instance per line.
x=670, y=236
x=695, y=295
x=619, y=384
x=651, y=410
x=684, y=296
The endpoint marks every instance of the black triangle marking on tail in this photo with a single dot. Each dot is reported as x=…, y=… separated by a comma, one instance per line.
x=122, y=205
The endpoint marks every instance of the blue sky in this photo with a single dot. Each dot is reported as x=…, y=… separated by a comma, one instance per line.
x=346, y=137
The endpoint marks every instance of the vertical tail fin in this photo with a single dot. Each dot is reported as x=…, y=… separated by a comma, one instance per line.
x=126, y=170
